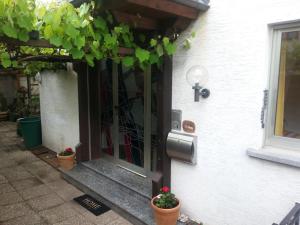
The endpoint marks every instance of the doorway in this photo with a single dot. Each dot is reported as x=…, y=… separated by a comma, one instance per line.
x=128, y=117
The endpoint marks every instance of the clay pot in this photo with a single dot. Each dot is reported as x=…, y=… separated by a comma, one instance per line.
x=165, y=216
x=66, y=162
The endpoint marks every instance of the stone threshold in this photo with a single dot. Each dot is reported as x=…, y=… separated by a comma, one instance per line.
x=141, y=185
x=119, y=195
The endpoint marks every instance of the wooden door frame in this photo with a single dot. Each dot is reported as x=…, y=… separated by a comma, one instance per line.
x=89, y=121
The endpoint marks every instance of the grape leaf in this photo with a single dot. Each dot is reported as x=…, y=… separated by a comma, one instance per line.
x=170, y=48
x=48, y=32
x=142, y=54
x=153, y=42
x=56, y=40
x=66, y=44
x=9, y=30
x=159, y=50
x=76, y=53
x=100, y=23
x=128, y=61
x=166, y=41
x=5, y=60
x=80, y=41
x=153, y=58
x=90, y=60
x=23, y=35
x=72, y=32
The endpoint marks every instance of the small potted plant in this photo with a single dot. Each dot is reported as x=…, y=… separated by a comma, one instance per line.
x=66, y=158
x=166, y=207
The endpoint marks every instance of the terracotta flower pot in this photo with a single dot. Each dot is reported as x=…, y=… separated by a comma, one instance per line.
x=165, y=216
x=66, y=162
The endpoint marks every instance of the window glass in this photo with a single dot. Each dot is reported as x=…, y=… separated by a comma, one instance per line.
x=287, y=122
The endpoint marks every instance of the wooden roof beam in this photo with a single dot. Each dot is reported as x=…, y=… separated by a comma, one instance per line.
x=167, y=7
x=136, y=21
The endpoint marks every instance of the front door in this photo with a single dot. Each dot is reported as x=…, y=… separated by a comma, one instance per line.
x=128, y=117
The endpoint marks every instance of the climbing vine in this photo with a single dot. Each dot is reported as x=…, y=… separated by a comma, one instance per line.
x=84, y=33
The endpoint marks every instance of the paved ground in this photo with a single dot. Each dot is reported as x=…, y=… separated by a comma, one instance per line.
x=33, y=193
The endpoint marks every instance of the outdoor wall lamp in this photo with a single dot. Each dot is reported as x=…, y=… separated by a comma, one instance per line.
x=197, y=77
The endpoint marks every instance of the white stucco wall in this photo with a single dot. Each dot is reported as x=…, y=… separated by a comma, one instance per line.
x=59, y=110
x=227, y=187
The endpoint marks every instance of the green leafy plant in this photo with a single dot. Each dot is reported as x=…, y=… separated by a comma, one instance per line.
x=165, y=200
x=84, y=33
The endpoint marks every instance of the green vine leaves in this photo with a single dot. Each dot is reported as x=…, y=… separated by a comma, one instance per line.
x=80, y=32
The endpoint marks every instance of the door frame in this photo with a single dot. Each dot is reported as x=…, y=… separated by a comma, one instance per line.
x=89, y=122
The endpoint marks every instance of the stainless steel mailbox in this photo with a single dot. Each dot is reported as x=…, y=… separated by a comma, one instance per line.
x=182, y=147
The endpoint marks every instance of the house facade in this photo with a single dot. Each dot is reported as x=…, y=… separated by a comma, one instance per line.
x=247, y=130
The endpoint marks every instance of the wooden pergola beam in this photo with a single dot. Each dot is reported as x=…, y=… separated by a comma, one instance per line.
x=45, y=44
x=32, y=43
x=11, y=72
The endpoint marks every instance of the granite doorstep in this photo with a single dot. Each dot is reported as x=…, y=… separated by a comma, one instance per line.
x=132, y=206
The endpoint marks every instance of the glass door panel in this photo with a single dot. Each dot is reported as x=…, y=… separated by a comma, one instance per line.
x=128, y=117
x=131, y=116
x=107, y=108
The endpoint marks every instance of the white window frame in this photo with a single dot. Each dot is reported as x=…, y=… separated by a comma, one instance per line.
x=270, y=138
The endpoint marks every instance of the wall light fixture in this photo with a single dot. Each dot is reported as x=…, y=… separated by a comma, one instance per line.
x=197, y=77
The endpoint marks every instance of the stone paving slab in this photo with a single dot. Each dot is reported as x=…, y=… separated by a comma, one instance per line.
x=64, y=190
x=33, y=192
x=13, y=211
x=76, y=220
x=5, y=188
x=10, y=198
x=4, y=162
x=103, y=219
x=26, y=183
x=15, y=173
x=45, y=202
x=58, y=214
x=31, y=219
x=3, y=180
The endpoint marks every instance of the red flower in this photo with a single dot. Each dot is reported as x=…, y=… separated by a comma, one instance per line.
x=165, y=189
x=69, y=150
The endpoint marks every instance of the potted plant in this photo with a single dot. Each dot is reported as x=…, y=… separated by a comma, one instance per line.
x=166, y=207
x=66, y=158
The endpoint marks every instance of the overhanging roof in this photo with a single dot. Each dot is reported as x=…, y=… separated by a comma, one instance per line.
x=198, y=4
x=160, y=15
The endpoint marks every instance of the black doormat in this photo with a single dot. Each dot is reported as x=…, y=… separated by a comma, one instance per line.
x=94, y=206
